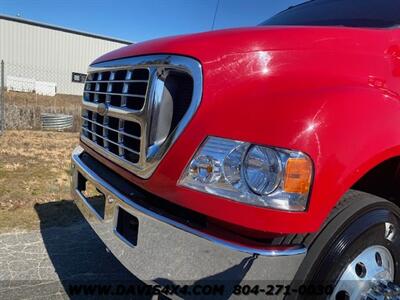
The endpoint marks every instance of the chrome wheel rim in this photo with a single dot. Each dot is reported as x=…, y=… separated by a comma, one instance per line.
x=374, y=264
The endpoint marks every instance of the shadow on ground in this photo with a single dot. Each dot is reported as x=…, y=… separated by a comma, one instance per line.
x=80, y=258
x=78, y=255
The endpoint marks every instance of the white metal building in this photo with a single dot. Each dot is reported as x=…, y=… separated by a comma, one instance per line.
x=47, y=54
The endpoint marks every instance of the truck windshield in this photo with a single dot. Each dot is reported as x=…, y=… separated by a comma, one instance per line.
x=351, y=13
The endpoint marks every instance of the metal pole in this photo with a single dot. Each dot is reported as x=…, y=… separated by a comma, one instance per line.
x=215, y=15
x=2, y=100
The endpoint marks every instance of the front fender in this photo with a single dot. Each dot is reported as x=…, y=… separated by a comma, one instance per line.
x=345, y=130
x=352, y=130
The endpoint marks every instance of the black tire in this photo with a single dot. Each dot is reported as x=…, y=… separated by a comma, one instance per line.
x=355, y=224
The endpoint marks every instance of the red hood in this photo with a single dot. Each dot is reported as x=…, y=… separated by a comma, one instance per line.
x=312, y=89
x=215, y=44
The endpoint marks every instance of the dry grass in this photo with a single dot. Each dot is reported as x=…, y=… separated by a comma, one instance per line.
x=22, y=110
x=58, y=101
x=34, y=169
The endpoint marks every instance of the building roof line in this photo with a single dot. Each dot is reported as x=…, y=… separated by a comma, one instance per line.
x=59, y=28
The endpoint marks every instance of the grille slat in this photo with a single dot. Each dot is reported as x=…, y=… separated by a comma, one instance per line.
x=112, y=129
x=118, y=112
x=119, y=81
x=115, y=94
x=105, y=131
x=110, y=141
x=121, y=134
x=93, y=127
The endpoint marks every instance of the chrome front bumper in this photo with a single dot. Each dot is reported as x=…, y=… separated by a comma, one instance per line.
x=173, y=252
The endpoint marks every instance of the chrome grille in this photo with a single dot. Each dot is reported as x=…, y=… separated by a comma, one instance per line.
x=118, y=136
x=124, y=103
x=120, y=88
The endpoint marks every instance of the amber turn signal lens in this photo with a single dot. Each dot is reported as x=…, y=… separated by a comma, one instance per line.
x=298, y=176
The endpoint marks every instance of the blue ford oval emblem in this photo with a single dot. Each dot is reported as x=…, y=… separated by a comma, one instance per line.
x=102, y=109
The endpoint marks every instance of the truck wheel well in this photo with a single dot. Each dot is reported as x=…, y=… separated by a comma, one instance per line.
x=382, y=181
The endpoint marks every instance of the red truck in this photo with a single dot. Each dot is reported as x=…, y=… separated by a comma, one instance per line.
x=262, y=153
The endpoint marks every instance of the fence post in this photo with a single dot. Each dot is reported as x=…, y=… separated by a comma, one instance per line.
x=2, y=100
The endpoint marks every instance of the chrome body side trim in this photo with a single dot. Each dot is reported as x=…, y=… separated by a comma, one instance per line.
x=151, y=151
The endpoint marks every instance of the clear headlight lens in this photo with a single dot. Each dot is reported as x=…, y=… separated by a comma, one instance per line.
x=252, y=174
x=262, y=170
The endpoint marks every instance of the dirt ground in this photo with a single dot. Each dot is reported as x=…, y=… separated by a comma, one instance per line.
x=35, y=169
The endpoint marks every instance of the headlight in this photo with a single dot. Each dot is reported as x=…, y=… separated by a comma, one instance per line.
x=252, y=174
x=262, y=170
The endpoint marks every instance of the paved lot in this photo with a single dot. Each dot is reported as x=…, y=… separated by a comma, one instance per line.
x=42, y=264
x=46, y=263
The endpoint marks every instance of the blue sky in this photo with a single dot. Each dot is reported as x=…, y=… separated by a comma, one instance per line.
x=136, y=20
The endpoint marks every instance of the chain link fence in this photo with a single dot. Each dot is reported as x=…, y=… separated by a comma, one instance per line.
x=21, y=104
x=2, y=104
